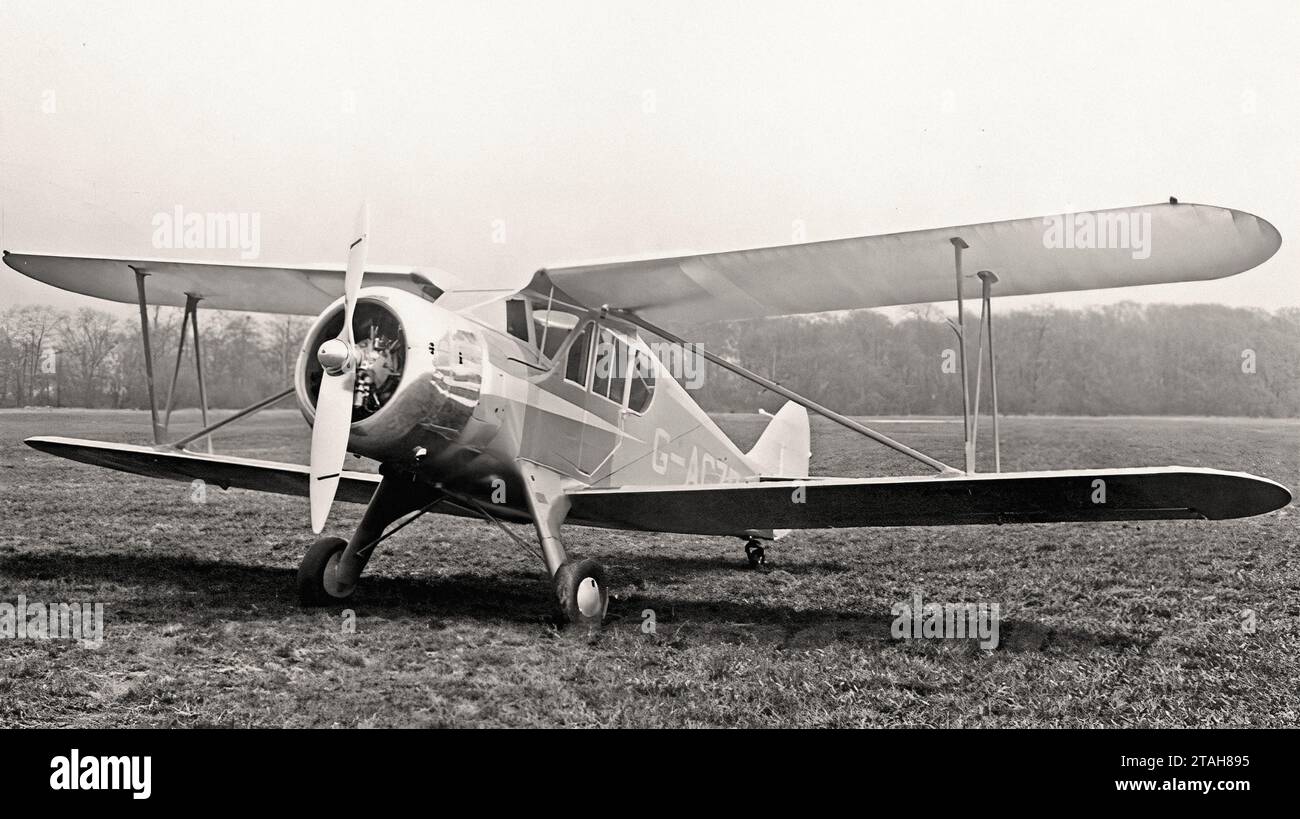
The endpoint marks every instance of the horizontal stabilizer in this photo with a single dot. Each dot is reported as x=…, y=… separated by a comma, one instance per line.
x=1155, y=493
x=220, y=470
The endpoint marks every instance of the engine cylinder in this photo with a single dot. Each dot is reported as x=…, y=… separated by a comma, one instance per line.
x=419, y=374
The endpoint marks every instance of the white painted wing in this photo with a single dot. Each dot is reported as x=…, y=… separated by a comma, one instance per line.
x=304, y=291
x=1180, y=242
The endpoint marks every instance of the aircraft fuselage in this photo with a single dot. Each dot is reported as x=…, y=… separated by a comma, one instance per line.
x=475, y=401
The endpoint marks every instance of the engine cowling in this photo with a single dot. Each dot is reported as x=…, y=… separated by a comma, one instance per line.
x=419, y=374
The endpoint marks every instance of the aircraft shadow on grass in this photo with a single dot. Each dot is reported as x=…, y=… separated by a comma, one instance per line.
x=176, y=587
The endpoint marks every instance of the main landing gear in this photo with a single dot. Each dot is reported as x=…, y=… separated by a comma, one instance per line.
x=755, y=554
x=582, y=593
x=330, y=570
x=318, y=574
x=581, y=587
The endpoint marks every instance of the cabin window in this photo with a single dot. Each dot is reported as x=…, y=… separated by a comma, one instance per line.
x=575, y=369
x=643, y=384
x=610, y=372
x=517, y=319
x=618, y=374
x=606, y=361
x=552, y=327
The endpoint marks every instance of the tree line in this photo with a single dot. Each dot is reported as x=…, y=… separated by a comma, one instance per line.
x=1117, y=360
x=91, y=358
x=1124, y=359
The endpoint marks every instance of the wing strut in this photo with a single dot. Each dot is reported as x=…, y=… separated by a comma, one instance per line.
x=190, y=319
x=970, y=408
x=246, y=411
x=189, y=322
x=987, y=279
x=958, y=245
x=823, y=411
x=148, y=352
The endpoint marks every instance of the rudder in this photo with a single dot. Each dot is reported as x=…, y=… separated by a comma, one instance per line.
x=785, y=446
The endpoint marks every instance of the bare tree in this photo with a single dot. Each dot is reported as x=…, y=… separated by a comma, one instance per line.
x=88, y=337
x=32, y=331
x=286, y=334
x=8, y=360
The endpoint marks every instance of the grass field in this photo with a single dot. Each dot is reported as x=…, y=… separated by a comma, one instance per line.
x=1116, y=624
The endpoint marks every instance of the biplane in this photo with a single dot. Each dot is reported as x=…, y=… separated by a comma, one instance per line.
x=555, y=403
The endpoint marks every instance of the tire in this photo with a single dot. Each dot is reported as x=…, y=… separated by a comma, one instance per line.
x=317, y=585
x=582, y=592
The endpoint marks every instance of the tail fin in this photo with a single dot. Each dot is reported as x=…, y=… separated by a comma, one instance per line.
x=784, y=447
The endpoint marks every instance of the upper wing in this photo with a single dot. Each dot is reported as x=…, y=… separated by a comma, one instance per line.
x=1181, y=242
x=1176, y=242
x=302, y=291
x=1155, y=493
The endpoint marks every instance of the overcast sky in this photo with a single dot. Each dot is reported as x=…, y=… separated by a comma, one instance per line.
x=495, y=138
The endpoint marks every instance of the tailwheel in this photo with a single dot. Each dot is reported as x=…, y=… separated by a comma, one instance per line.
x=757, y=557
x=582, y=593
x=318, y=581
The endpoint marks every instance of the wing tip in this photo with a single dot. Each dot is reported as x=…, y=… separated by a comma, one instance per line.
x=1240, y=495
x=1250, y=226
x=1268, y=231
x=43, y=443
x=1268, y=496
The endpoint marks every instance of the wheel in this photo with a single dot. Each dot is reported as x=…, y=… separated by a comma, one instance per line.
x=582, y=593
x=757, y=557
x=318, y=583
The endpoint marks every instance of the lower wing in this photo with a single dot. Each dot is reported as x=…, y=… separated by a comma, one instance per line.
x=745, y=509
x=221, y=470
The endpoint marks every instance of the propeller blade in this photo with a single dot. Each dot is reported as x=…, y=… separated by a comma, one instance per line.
x=329, y=442
x=356, y=269
x=333, y=424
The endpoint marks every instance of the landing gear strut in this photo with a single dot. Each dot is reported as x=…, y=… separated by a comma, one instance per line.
x=581, y=587
x=331, y=568
x=754, y=551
